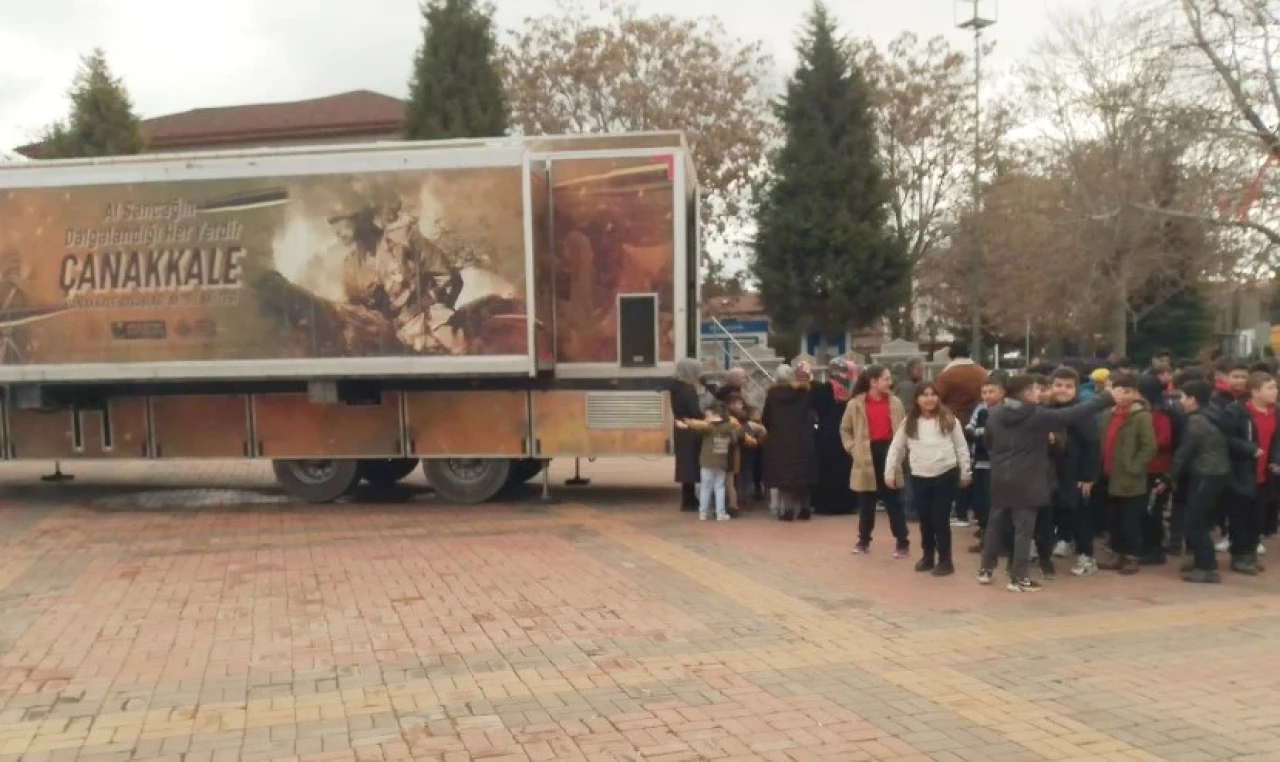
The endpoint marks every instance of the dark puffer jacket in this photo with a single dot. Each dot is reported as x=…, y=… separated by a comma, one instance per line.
x=1017, y=438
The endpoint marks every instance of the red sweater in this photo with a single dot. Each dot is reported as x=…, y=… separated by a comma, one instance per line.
x=879, y=420
x=1109, y=442
x=1264, y=422
x=1162, y=424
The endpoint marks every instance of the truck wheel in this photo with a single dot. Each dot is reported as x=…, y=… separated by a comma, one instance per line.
x=524, y=470
x=317, y=481
x=385, y=472
x=467, y=480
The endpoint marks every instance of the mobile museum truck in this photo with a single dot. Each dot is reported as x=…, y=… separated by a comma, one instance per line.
x=479, y=306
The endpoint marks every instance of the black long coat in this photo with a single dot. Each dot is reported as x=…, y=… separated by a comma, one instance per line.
x=832, y=494
x=685, y=404
x=790, y=456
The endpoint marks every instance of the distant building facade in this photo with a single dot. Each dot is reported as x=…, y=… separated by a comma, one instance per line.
x=359, y=116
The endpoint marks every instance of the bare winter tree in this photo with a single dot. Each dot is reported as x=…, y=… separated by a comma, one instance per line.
x=622, y=71
x=1238, y=46
x=924, y=105
x=1120, y=143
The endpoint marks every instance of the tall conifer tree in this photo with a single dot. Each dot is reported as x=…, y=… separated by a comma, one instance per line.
x=101, y=123
x=825, y=256
x=456, y=90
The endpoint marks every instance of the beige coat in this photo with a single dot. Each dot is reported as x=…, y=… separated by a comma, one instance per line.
x=856, y=438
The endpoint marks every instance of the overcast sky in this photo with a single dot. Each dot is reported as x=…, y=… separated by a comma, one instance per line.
x=176, y=55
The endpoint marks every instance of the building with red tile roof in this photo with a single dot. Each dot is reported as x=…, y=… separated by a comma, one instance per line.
x=359, y=116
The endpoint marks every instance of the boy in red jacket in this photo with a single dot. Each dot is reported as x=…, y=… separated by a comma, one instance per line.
x=1261, y=406
x=1153, y=551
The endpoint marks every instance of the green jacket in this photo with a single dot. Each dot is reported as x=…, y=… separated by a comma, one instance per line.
x=1203, y=451
x=1132, y=451
x=718, y=440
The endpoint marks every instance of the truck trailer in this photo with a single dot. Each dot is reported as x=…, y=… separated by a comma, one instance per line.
x=348, y=312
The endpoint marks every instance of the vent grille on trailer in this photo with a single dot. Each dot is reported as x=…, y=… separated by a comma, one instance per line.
x=626, y=410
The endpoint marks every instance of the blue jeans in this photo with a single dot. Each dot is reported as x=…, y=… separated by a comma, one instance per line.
x=713, y=480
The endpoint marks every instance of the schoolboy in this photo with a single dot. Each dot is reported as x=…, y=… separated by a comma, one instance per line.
x=992, y=395
x=1128, y=445
x=1202, y=459
x=1016, y=438
x=1077, y=465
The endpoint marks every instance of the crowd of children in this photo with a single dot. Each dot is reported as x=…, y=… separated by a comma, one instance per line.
x=1048, y=461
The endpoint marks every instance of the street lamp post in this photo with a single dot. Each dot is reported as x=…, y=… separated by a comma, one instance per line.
x=976, y=15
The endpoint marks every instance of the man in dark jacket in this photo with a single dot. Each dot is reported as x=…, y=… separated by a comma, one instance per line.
x=1017, y=438
x=1077, y=464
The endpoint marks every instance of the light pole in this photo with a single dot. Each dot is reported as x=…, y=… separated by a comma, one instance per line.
x=976, y=15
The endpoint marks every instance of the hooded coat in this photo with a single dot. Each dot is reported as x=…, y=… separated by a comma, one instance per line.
x=1017, y=439
x=1134, y=447
x=790, y=453
x=833, y=494
x=686, y=404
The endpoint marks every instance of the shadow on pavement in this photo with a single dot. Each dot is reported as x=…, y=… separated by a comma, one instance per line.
x=408, y=496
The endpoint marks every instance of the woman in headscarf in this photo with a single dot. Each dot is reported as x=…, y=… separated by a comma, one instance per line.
x=832, y=495
x=790, y=457
x=735, y=381
x=685, y=404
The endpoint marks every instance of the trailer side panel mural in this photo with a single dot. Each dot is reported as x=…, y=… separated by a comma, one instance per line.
x=409, y=263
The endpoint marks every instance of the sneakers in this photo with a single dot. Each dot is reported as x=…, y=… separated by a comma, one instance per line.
x=1223, y=545
x=984, y=576
x=1262, y=549
x=944, y=569
x=1049, y=571
x=1202, y=576
x=861, y=549
x=1023, y=586
x=901, y=552
x=1061, y=550
x=925, y=564
x=959, y=523
x=1084, y=566
x=704, y=517
x=1113, y=562
x=723, y=517
x=1245, y=566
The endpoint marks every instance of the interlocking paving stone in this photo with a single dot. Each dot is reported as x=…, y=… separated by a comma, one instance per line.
x=140, y=619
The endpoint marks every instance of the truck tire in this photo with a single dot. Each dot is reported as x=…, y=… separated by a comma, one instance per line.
x=524, y=470
x=385, y=472
x=467, y=480
x=317, y=481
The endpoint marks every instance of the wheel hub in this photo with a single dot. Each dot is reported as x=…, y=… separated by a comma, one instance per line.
x=468, y=470
x=313, y=471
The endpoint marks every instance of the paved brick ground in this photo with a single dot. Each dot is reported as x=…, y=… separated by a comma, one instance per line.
x=189, y=613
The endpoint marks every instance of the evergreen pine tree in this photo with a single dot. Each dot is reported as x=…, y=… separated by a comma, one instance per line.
x=456, y=90
x=1180, y=324
x=101, y=123
x=824, y=254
